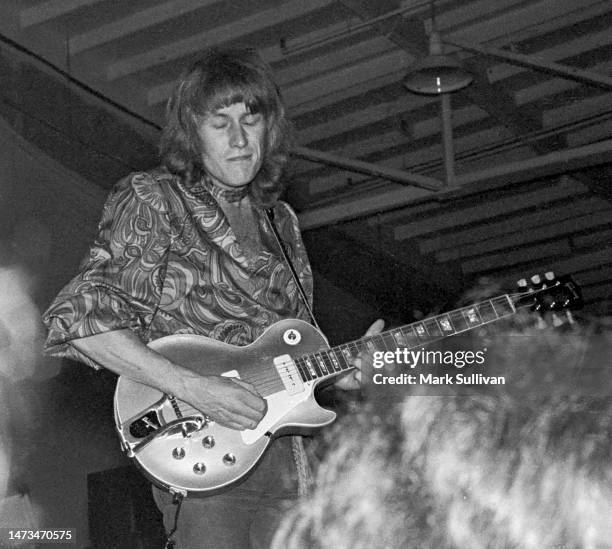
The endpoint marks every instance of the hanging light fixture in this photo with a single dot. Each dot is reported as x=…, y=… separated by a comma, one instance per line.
x=437, y=73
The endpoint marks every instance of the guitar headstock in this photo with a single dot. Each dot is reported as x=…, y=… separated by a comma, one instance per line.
x=549, y=294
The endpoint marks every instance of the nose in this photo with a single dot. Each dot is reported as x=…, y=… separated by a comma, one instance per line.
x=238, y=136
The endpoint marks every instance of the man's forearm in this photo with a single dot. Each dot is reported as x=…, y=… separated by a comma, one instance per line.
x=124, y=354
x=232, y=403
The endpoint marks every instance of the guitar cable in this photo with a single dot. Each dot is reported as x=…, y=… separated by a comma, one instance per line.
x=178, y=501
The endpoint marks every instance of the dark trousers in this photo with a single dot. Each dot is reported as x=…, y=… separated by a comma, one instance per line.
x=243, y=517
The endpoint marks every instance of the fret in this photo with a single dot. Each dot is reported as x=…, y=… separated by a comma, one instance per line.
x=446, y=324
x=302, y=369
x=360, y=346
x=471, y=316
x=311, y=367
x=420, y=330
x=321, y=364
x=503, y=306
x=338, y=358
x=399, y=338
x=487, y=311
x=458, y=320
x=346, y=353
x=410, y=337
x=330, y=360
x=431, y=325
x=389, y=342
x=375, y=343
x=327, y=361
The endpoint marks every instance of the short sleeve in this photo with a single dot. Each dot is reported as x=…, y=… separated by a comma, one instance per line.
x=120, y=281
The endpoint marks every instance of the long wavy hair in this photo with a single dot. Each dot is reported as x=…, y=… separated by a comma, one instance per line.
x=220, y=78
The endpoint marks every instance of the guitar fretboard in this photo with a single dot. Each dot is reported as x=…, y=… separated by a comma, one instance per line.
x=338, y=359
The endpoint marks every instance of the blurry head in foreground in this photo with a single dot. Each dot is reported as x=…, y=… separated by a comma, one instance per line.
x=517, y=466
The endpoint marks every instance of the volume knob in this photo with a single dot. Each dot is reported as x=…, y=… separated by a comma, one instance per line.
x=199, y=468
x=208, y=441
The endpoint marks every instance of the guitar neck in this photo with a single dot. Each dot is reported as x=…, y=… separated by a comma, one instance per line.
x=334, y=361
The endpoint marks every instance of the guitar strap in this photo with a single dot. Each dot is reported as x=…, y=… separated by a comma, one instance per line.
x=283, y=249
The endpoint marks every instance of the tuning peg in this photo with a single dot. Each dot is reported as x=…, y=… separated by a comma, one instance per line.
x=522, y=283
x=535, y=279
x=550, y=275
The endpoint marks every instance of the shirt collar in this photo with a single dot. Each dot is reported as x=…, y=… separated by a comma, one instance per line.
x=226, y=195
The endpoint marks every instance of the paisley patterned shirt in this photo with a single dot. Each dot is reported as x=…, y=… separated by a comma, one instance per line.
x=166, y=261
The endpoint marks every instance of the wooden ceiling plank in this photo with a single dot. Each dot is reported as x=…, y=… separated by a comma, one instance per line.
x=502, y=206
x=533, y=62
x=413, y=158
x=51, y=9
x=214, y=36
x=576, y=16
x=554, y=86
x=333, y=60
x=272, y=54
x=558, y=52
x=574, y=111
x=138, y=21
x=473, y=12
x=362, y=118
x=507, y=24
x=328, y=99
x=370, y=169
x=509, y=258
x=527, y=221
x=544, y=166
x=543, y=231
x=578, y=261
x=344, y=77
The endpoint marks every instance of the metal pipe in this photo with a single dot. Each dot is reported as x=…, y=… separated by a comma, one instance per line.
x=549, y=67
x=338, y=35
x=358, y=166
x=446, y=120
x=543, y=166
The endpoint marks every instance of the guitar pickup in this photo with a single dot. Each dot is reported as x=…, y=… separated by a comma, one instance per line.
x=289, y=374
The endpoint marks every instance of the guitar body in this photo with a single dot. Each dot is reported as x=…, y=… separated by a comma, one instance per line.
x=179, y=449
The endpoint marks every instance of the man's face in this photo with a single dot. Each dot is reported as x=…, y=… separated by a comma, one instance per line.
x=233, y=144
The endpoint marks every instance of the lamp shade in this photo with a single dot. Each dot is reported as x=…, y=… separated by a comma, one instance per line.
x=437, y=73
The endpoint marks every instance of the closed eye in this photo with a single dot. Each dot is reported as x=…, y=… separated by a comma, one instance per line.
x=251, y=119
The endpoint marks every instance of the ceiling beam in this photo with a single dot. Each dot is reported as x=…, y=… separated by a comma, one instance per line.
x=51, y=9
x=543, y=166
x=530, y=61
x=135, y=22
x=214, y=36
x=271, y=54
x=391, y=174
x=484, y=210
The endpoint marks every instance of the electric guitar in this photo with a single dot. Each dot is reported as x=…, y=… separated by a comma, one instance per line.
x=185, y=452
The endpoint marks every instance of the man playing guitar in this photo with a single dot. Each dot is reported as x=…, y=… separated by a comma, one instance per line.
x=188, y=249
